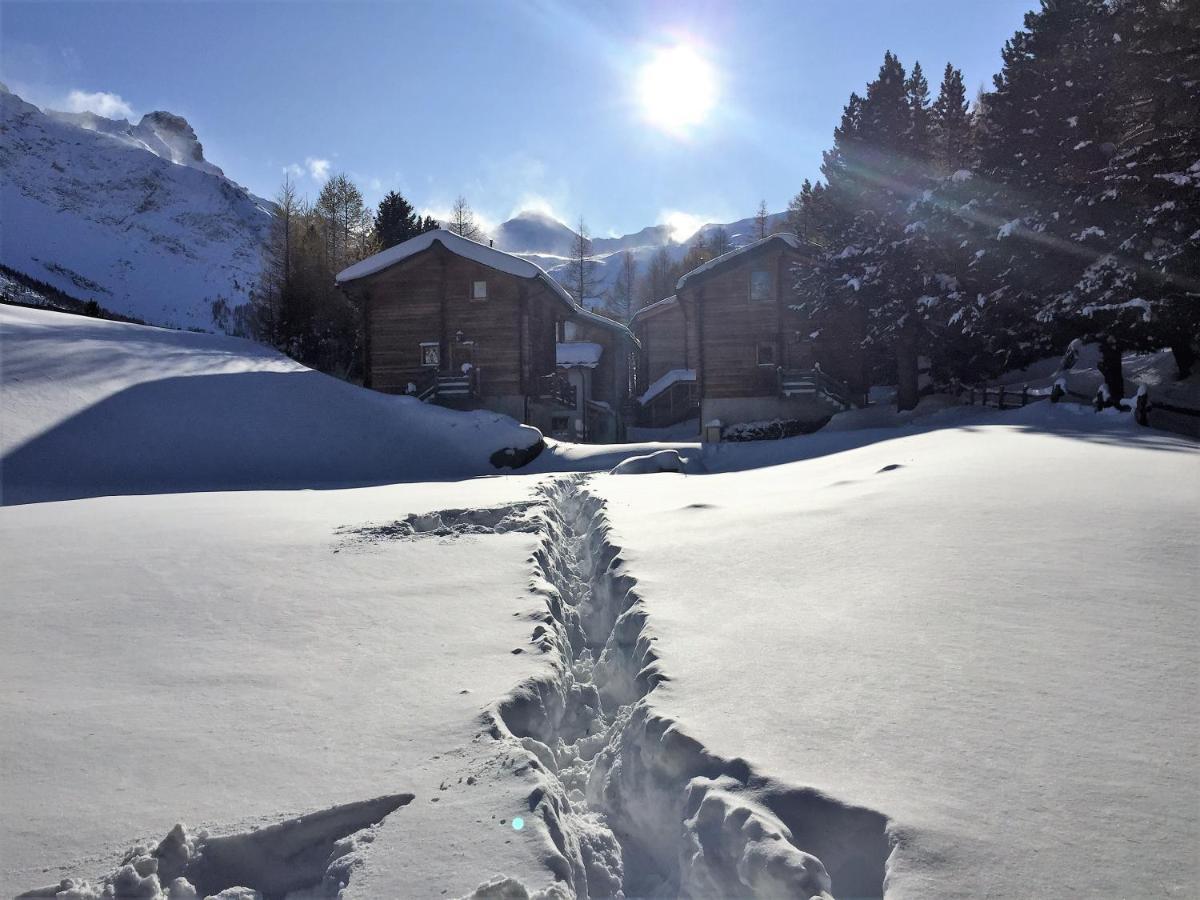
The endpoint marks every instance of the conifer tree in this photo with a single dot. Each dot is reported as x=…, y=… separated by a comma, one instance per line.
x=951, y=123
x=396, y=221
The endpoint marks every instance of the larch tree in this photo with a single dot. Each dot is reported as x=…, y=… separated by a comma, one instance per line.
x=462, y=220
x=761, y=220
x=581, y=270
x=658, y=283
x=623, y=292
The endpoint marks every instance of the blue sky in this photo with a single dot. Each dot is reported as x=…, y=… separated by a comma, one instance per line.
x=512, y=104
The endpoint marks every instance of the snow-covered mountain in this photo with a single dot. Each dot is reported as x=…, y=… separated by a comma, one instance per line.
x=134, y=217
x=131, y=216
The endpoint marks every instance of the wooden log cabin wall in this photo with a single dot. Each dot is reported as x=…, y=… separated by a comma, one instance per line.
x=464, y=325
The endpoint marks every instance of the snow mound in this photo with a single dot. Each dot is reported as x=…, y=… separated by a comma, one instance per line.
x=305, y=852
x=651, y=463
x=92, y=408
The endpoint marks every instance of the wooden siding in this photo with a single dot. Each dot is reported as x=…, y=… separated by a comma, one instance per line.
x=610, y=379
x=665, y=343
x=730, y=326
x=428, y=298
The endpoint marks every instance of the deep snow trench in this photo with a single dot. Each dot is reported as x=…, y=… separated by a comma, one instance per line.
x=633, y=805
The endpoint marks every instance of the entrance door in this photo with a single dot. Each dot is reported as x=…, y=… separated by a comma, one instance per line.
x=461, y=354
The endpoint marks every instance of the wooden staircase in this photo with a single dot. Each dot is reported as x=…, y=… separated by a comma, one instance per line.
x=814, y=384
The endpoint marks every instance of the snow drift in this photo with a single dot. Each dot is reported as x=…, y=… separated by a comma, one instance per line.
x=92, y=408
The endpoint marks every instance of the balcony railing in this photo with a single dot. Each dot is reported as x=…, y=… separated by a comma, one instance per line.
x=556, y=388
x=816, y=384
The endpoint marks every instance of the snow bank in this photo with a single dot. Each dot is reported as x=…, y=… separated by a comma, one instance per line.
x=659, y=461
x=925, y=626
x=90, y=407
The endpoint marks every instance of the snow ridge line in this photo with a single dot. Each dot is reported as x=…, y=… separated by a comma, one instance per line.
x=631, y=805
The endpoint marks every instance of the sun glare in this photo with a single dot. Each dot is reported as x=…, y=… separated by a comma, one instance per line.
x=677, y=89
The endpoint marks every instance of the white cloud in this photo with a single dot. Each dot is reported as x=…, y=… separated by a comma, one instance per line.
x=102, y=103
x=295, y=170
x=539, y=204
x=317, y=168
x=683, y=225
x=443, y=215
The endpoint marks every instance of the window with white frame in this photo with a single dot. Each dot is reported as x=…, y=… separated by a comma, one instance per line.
x=760, y=284
x=478, y=290
x=431, y=354
x=766, y=353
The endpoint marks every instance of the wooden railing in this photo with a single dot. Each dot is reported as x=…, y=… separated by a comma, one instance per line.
x=679, y=401
x=814, y=383
x=557, y=388
x=1003, y=397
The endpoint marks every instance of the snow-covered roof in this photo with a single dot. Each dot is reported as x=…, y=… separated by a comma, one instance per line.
x=459, y=246
x=790, y=239
x=665, y=381
x=653, y=309
x=604, y=322
x=578, y=354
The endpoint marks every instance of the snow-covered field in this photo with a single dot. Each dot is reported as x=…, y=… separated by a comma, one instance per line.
x=951, y=655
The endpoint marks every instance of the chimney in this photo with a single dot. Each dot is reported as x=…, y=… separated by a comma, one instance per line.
x=491, y=242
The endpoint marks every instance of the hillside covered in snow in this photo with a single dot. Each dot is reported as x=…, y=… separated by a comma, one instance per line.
x=90, y=407
x=131, y=216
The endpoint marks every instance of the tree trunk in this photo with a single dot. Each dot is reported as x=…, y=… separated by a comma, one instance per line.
x=1110, y=368
x=1185, y=356
x=906, y=372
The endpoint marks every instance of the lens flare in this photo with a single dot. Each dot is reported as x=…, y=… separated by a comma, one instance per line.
x=677, y=89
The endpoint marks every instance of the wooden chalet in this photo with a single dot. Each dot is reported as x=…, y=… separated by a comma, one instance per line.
x=731, y=324
x=454, y=322
x=666, y=364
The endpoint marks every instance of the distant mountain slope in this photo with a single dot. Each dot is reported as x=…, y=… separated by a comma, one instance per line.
x=131, y=216
x=547, y=242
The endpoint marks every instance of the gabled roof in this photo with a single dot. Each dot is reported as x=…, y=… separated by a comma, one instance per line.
x=732, y=256
x=653, y=309
x=604, y=322
x=459, y=246
x=485, y=256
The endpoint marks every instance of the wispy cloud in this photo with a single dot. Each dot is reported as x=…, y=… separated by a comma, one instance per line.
x=102, y=103
x=443, y=215
x=317, y=168
x=294, y=170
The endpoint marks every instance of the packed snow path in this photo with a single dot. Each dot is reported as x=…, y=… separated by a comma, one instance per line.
x=632, y=805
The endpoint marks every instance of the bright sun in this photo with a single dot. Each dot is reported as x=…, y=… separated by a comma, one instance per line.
x=677, y=89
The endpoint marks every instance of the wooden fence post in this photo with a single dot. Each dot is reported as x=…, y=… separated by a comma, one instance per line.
x=1024, y=394
x=1000, y=398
